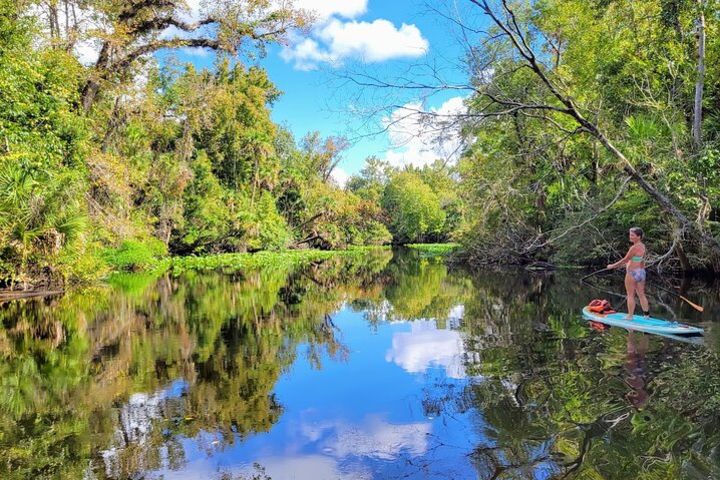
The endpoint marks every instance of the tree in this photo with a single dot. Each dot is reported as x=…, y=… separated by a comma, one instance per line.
x=371, y=181
x=42, y=142
x=700, y=80
x=134, y=29
x=413, y=209
x=322, y=156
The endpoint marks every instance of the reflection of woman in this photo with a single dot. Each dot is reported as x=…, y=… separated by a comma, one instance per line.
x=635, y=276
x=637, y=345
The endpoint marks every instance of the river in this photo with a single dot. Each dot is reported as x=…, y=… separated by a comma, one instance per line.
x=393, y=366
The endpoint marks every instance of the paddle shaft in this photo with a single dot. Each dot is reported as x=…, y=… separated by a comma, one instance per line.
x=593, y=274
x=694, y=305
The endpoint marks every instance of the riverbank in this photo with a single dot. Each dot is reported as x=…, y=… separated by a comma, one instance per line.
x=132, y=259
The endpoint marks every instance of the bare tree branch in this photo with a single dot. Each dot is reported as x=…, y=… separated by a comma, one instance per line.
x=536, y=246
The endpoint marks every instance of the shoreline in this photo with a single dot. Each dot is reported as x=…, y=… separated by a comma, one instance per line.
x=224, y=262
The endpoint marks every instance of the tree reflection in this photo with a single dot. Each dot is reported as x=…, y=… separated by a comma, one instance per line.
x=109, y=380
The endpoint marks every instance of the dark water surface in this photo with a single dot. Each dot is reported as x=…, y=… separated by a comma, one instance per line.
x=385, y=368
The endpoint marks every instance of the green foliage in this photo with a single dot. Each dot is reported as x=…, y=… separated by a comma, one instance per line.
x=413, y=209
x=233, y=262
x=42, y=212
x=206, y=211
x=134, y=255
x=266, y=228
x=378, y=181
x=97, y=171
x=434, y=249
x=529, y=179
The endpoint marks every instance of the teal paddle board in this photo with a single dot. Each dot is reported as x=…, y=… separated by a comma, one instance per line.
x=642, y=324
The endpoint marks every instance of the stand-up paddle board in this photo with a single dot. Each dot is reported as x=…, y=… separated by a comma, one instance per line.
x=642, y=324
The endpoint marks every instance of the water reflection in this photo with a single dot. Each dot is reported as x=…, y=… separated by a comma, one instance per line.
x=372, y=368
x=637, y=346
x=425, y=346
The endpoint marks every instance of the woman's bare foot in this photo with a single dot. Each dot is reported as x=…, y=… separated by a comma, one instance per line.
x=628, y=317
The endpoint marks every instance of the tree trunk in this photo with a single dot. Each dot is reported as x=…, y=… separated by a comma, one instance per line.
x=90, y=91
x=54, y=23
x=700, y=80
x=92, y=86
x=684, y=262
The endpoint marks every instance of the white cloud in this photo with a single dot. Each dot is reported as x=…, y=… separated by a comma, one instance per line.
x=191, y=11
x=374, y=437
x=304, y=467
x=425, y=346
x=340, y=177
x=371, y=42
x=324, y=9
x=285, y=465
x=340, y=441
x=306, y=54
x=419, y=136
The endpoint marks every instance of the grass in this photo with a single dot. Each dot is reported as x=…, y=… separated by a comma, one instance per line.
x=434, y=249
x=233, y=262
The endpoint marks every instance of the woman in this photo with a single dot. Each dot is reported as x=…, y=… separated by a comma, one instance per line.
x=635, y=276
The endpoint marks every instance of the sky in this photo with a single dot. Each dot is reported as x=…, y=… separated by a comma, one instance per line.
x=382, y=38
x=378, y=37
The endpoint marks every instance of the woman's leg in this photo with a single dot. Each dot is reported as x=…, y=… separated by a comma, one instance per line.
x=640, y=288
x=630, y=289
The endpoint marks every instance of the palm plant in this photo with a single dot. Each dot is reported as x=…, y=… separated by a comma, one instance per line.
x=41, y=212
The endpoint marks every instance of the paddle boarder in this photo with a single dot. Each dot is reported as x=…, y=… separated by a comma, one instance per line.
x=635, y=273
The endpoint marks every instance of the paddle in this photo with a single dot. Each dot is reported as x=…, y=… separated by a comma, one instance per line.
x=593, y=274
x=693, y=305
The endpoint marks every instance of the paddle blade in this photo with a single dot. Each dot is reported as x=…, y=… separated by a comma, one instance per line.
x=694, y=305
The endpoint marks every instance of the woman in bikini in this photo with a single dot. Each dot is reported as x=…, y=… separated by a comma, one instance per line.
x=635, y=276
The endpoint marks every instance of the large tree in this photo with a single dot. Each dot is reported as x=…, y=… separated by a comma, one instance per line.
x=128, y=30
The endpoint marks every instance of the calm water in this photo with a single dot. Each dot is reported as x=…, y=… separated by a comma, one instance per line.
x=386, y=368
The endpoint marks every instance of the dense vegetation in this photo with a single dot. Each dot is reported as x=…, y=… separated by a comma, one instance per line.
x=122, y=162
x=587, y=118
x=584, y=119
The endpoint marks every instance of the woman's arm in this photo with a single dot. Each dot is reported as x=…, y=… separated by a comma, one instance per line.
x=624, y=260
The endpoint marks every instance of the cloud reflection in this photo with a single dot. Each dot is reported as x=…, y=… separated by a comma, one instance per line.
x=307, y=467
x=375, y=438
x=425, y=346
x=340, y=449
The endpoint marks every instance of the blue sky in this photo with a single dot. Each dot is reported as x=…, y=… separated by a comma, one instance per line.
x=384, y=38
